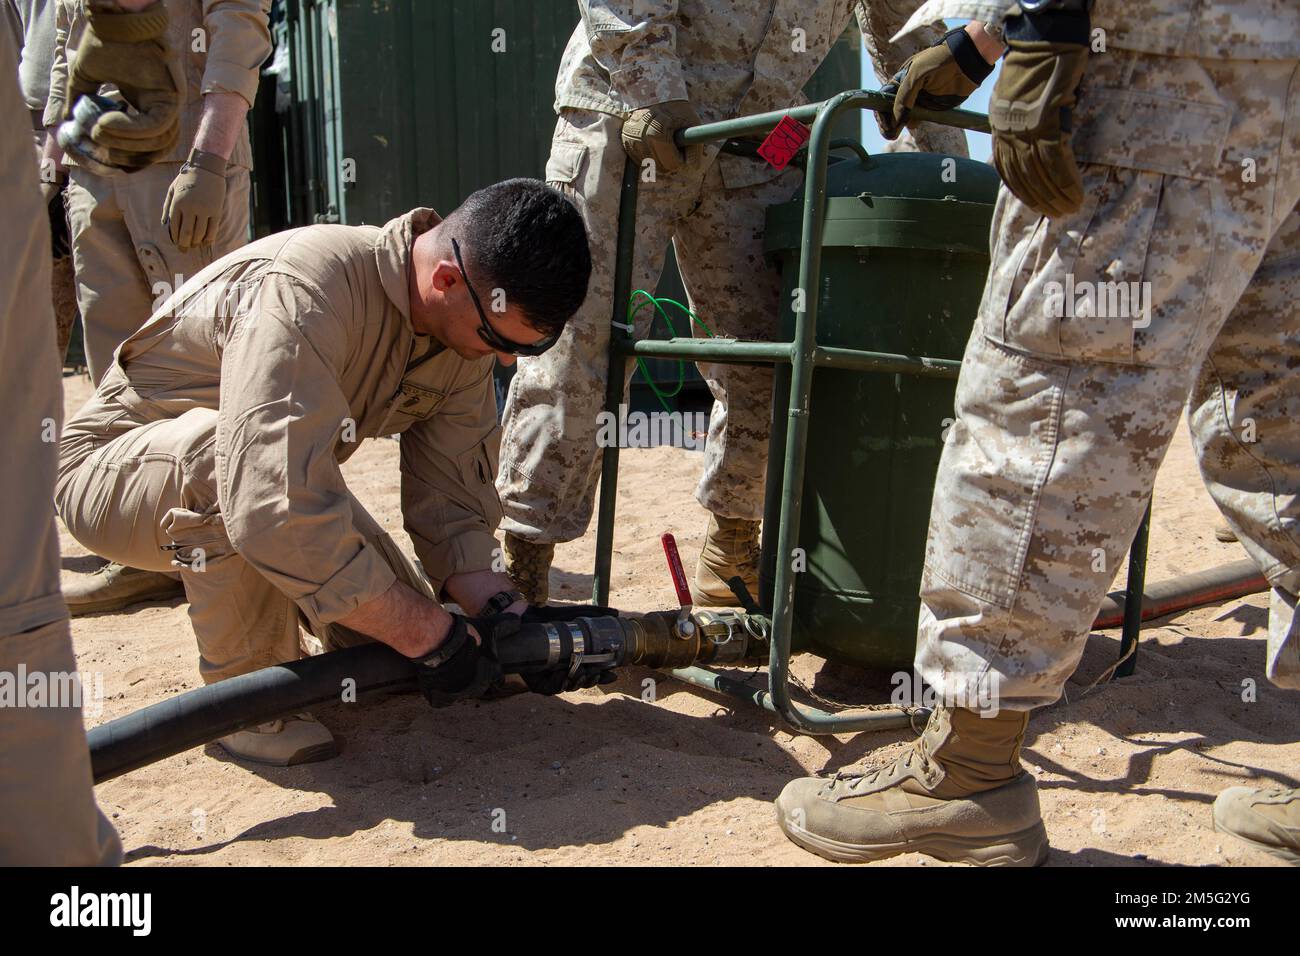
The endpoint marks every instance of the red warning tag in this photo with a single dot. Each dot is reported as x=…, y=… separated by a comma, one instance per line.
x=783, y=142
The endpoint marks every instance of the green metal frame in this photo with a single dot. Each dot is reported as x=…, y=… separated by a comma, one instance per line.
x=802, y=356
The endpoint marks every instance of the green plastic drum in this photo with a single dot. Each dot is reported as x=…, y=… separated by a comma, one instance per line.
x=903, y=264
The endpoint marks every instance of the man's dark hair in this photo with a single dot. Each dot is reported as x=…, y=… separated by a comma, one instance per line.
x=527, y=239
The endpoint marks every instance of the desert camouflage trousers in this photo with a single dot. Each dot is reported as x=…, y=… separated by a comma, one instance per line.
x=549, y=456
x=1065, y=412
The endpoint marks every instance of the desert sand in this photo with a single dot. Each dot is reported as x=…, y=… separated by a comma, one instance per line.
x=1127, y=770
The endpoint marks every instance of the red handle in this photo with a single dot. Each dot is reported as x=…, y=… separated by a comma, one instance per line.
x=675, y=569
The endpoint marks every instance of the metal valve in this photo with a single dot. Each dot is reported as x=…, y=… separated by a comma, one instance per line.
x=683, y=627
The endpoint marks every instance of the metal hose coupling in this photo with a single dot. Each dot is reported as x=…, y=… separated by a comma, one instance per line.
x=650, y=640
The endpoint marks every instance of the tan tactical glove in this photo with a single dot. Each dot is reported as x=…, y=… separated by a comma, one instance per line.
x=192, y=209
x=130, y=51
x=648, y=134
x=940, y=77
x=1030, y=111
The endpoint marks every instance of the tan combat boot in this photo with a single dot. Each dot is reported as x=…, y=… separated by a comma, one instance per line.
x=1267, y=819
x=115, y=586
x=529, y=566
x=1223, y=532
x=730, y=548
x=282, y=743
x=957, y=794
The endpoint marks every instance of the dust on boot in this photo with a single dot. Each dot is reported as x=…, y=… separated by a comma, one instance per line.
x=115, y=586
x=529, y=566
x=1266, y=819
x=282, y=743
x=958, y=794
x=731, y=549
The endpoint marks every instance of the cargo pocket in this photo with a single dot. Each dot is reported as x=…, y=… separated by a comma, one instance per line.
x=478, y=471
x=565, y=164
x=1124, y=280
x=197, y=539
x=996, y=460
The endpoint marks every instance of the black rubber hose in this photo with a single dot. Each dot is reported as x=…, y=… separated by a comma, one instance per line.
x=198, y=716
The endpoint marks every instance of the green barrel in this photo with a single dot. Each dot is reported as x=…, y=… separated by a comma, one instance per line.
x=905, y=253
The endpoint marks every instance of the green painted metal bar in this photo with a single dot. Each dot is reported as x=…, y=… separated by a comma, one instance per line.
x=803, y=356
x=614, y=381
x=860, y=361
x=735, y=350
x=738, y=351
x=1133, y=596
x=867, y=99
x=855, y=720
x=804, y=347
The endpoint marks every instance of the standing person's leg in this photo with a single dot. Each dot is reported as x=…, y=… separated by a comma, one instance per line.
x=48, y=814
x=1244, y=415
x=63, y=289
x=113, y=294
x=126, y=264
x=1064, y=414
x=549, y=459
x=165, y=266
x=735, y=291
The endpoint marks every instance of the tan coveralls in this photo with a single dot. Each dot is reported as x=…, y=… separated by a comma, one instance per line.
x=48, y=814
x=217, y=434
x=728, y=59
x=125, y=261
x=1187, y=132
x=32, y=23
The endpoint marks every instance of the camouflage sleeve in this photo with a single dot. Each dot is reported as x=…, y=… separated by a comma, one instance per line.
x=238, y=43
x=58, y=67
x=880, y=20
x=988, y=12
x=635, y=42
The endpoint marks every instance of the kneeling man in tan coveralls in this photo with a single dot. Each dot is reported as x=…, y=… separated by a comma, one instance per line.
x=214, y=441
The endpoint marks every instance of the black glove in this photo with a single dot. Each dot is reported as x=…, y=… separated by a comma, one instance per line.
x=460, y=667
x=587, y=675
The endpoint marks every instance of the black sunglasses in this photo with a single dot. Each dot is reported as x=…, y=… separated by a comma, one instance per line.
x=491, y=336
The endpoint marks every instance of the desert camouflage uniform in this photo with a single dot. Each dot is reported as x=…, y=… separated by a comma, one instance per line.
x=125, y=260
x=730, y=60
x=48, y=814
x=1187, y=132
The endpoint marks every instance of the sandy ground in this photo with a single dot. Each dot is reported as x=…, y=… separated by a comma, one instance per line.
x=1127, y=770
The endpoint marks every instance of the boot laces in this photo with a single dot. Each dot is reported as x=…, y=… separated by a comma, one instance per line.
x=858, y=780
